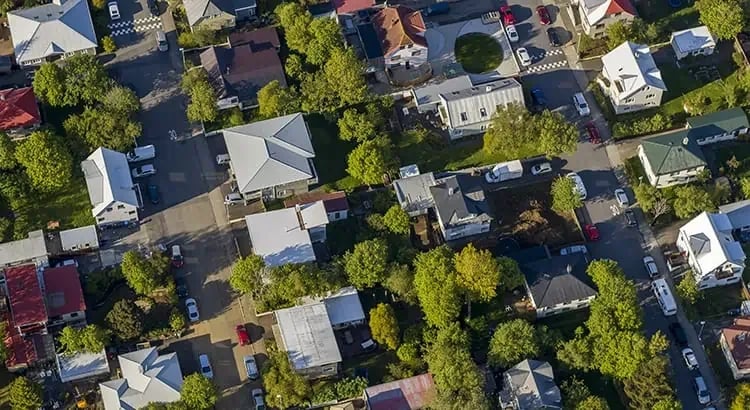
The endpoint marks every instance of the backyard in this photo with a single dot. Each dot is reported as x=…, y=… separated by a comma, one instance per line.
x=478, y=52
x=740, y=151
x=721, y=300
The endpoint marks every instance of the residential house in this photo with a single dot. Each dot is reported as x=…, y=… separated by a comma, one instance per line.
x=288, y=235
x=238, y=71
x=343, y=307
x=110, y=185
x=401, y=32
x=413, y=193
x=218, y=14
x=274, y=157
x=64, y=296
x=714, y=255
x=147, y=377
x=558, y=284
x=32, y=250
x=25, y=316
x=724, y=125
x=81, y=366
x=597, y=15
x=52, y=31
x=80, y=239
x=335, y=203
x=739, y=216
x=413, y=393
x=694, y=41
x=322, y=10
x=19, y=112
x=631, y=78
x=350, y=7
x=735, y=344
x=530, y=385
x=306, y=334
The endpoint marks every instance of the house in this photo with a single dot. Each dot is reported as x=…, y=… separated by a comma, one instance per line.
x=288, y=235
x=306, y=334
x=738, y=214
x=413, y=193
x=238, y=71
x=461, y=206
x=631, y=78
x=343, y=307
x=692, y=42
x=19, y=112
x=335, y=203
x=350, y=7
x=28, y=312
x=25, y=251
x=427, y=97
x=724, y=125
x=80, y=366
x=325, y=10
x=110, y=185
x=64, y=296
x=147, y=377
x=530, y=385
x=672, y=158
x=275, y=157
x=558, y=284
x=401, y=32
x=80, y=239
x=218, y=14
x=597, y=15
x=715, y=256
x=413, y=393
x=52, y=31
x=735, y=344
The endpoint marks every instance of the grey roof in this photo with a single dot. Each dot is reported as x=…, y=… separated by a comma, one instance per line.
x=51, y=29
x=108, y=179
x=430, y=93
x=413, y=193
x=533, y=384
x=489, y=96
x=700, y=243
x=84, y=237
x=673, y=152
x=716, y=123
x=147, y=377
x=458, y=197
x=197, y=9
x=738, y=213
x=270, y=152
x=81, y=365
x=559, y=279
x=307, y=336
x=23, y=250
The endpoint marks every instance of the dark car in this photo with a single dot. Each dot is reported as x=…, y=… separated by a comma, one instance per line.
x=181, y=288
x=630, y=218
x=538, y=99
x=153, y=194
x=679, y=334
x=153, y=7
x=554, y=39
x=543, y=15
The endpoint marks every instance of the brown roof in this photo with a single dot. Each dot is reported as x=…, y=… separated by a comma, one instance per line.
x=399, y=26
x=738, y=340
x=406, y=394
x=258, y=39
x=332, y=201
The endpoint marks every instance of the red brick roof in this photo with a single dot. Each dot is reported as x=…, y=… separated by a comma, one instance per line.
x=21, y=351
x=399, y=26
x=620, y=6
x=738, y=340
x=26, y=301
x=405, y=394
x=63, y=289
x=351, y=6
x=18, y=108
x=332, y=201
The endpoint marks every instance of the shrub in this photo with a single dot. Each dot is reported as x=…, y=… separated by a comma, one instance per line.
x=108, y=44
x=641, y=126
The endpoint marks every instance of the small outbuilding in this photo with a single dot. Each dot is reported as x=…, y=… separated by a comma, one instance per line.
x=693, y=42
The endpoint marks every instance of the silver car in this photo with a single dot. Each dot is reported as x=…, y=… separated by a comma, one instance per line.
x=622, y=197
x=542, y=168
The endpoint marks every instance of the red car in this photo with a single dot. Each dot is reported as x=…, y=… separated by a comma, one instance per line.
x=242, y=335
x=508, y=18
x=593, y=133
x=592, y=232
x=543, y=15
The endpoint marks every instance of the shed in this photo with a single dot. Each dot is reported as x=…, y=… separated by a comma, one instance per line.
x=693, y=42
x=80, y=366
x=79, y=239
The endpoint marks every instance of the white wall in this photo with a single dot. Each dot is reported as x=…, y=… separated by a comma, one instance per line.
x=117, y=212
x=415, y=54
x=564, y=307
x=599, y=29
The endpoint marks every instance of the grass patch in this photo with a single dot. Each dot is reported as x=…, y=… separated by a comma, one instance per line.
x=739, y=150
x=715, y=302
x=330, y=154
x=376, y=365
x=565, y=323
x=666, y=17
x=478, y=52
x=70, y=206
x=634, y=171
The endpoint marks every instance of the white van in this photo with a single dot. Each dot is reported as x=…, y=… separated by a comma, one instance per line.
x=581, y=105
x=161, y=41
x=664, y=297
x=141, y=153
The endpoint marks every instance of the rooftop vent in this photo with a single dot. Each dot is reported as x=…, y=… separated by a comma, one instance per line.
x=488, y=88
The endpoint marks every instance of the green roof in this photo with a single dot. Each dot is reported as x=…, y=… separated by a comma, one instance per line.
x=719, y=122
x=673, y=152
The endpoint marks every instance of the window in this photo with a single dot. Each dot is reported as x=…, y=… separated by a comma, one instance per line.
x=629, y=100
x=131, y=212
x=416, y=53
x=108, y=209
x=74, y=314
x=464, y=117
x=649, y=96
x=482, y=112
x=120, y=206
x=100, y=219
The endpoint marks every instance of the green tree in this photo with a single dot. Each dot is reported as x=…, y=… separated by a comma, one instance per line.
x=401, y=282
x=435, y=283
x=668, y=404
x=99, y=127
x=724, y=18
x=652, y=200
x=574, y=392
x=86, y=80
x=510, y=274
x=367, y=264
x=47, y=161
x=3, y=336
x=25, y=394
x=284, y=387
x=512, y=342
x=142, y=275
x=339, y=84
x=593, y=403
x=556, y=135
x=275, y=100
x=326, y=37
x=125, y=319
x=108, y=44
x=49, y=85
x=295, y=21
x=565, y=196
x=741, y=399
x=397, y=220
x=745, y=187
x=688, y=290
x=121, y=100
x=649, y=384
x=177, y=321
x=384, y=326
x=290, y=282
x=371, y=160
x=356, y=126
x=7, y=152
x=477, y=273
x=511, y=131
x=198, y=392
x=246, y=275
x=618, y=33
x=92, y=339
x=202, y=106
x=691, y=200
x=294, y=66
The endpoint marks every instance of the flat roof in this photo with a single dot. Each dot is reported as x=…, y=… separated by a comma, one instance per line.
x=26, y=301
x=82, y=365
x=23, y=250
x=307, y=336
x=84, y=237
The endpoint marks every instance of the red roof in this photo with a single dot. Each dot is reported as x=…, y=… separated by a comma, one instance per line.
x=26, y=301
x=332, y=201
x=737, y=337
x=399, y=26
x=21, y=351
x=18, y=108
x=406, y=394
x=63, y=288
x=621, y=6
x=351, y=6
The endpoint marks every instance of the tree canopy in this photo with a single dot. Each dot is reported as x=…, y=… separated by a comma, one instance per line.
x=202, y=106
x=367, y=264
x=144, y=275
x=401, y=282
x=649, y=384
x=435, y=283
x=284, y=387
x=80, y=80
x=339, y=84
x=477, y=273
x=7, y=152
x=46, y=159
x=741, y=399
x=692, y=200
x=384, y=326
x=125, y=319
x=512, y=342
x=356, y=126
x=89, y=339
x=371, y=160
x=517, y=133
x=24, y=394
x=397, y=220
x=100, y=127
x=275, y=100
x=724, y=18
x=565, y=198
x=198, y=392
x=246, y=275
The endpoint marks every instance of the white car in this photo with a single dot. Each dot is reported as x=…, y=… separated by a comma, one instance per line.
x=581, y=105
x=569, y=250
x=690, y=360
x=258, y=399
x=512, y=32
x=542, y=168
x=704, y=397
x=622, y=197
x=192, y=309
x=144, y=171
x=233, y=198
x=650, y=265
x=141, y=153
x=523, y=56
x=114, y=11
x=206, y=369
x=579, y=188
x=222, y=159
x=251, y=367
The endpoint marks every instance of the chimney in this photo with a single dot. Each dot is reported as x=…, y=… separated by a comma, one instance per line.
x=685, y=141
x=488, y=88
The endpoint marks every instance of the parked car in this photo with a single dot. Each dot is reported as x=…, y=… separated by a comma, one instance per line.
x=569, y=250
x=537, y=98
x=114, y=11
x=369, y=345
x=630, y=218
x=690, y=360
x=622, y=198
x=141, y=153
x=704, y=397
x=554, y=39
x=192, y=309
x=581, y=105
x=258, y=399
x=177, y=259
x=233, y=198
x=206, y=369
x=242, y=335
x=543, y=14
x=579, y=187
x=523, y=56
x=222, y=159
x=67, y=262
x=181, y=288
x=542, y=168
x=153, y=194
x=679, y=334
x=251, y=367
x=650, y=265
x=143, y=171
x=512, y=32
x=592, y=232
x=508, y=17
x=593, y=133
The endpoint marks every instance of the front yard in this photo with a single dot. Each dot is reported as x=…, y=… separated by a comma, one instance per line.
x=716, y=302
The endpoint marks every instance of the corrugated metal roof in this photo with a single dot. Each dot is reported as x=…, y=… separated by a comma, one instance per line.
x=478, y=103
x=405, y=394
x=308, y=336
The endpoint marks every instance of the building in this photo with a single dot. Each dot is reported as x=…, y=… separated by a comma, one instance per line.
x=597, y=15
x=287, y=235
x=401, y=32
x=52, y=31
x=218, y=14
x=335, y=203
x=110, y=185
x=27, y=308
x=19, y=112
x=343, y=307
x=427, y=96
x=694, y=41
x=238, y=71
x=64, y=296
x=724, y=125
x=739, y=216
x=413, y=393
x=147, y=377
x=350, y=7
x=631, y=78
x=413, y=193
x=25, y=251
x=530, y=385
x=558, y=284
x=714, y=255
x=735, y=344
x=80, y=239
x=80, y=366
x=276, y=157
x=306, y=334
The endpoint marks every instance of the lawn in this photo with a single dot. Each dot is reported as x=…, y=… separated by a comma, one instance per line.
x=330, y=154
x=478, y=53
x=566, y=323
x=721, y=299
x=634, y=170
x=670, y=19
x=376, y=365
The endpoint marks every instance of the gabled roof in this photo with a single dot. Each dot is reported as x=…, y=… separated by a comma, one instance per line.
x=63, y=289
x=458, y=197
x=51, y=29
x=307, y=336
x=559, y=279
x=631, y=67
x=595, y=10
x=709, y=237
x=351, y=6
x=399, y=26
x=197, y=9
x=26, y=301
x=672, y=152
x=18, y=108
x=108, y=179
x=693, y=39
x=719, y=122
x=533, y=384
x=270, y=152
x=333, y=201
x=413, y=193
x=737, y=336
x=471, y=103
x=430, y=93
x=406, y=394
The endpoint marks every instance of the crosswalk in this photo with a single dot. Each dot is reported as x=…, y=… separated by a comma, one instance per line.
x=547, y=66
x=121, y=28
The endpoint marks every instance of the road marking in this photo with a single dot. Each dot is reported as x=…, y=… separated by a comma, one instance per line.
x=126, y=23
x=547, y=66
x=546, y=53
x=122, y=28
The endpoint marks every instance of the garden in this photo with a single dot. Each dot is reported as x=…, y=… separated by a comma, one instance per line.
x=478, y=52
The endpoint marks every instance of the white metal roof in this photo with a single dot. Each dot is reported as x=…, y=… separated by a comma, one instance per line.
x=307, y=336
x=710, y=241
x=147, y=377
x=343, y=306
x=693, y=39
x=79, y=238
x=430, y=93
x=633, y=66
x=23, y=250
x=108, y=179
x=478, y=103
x=81, y=365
